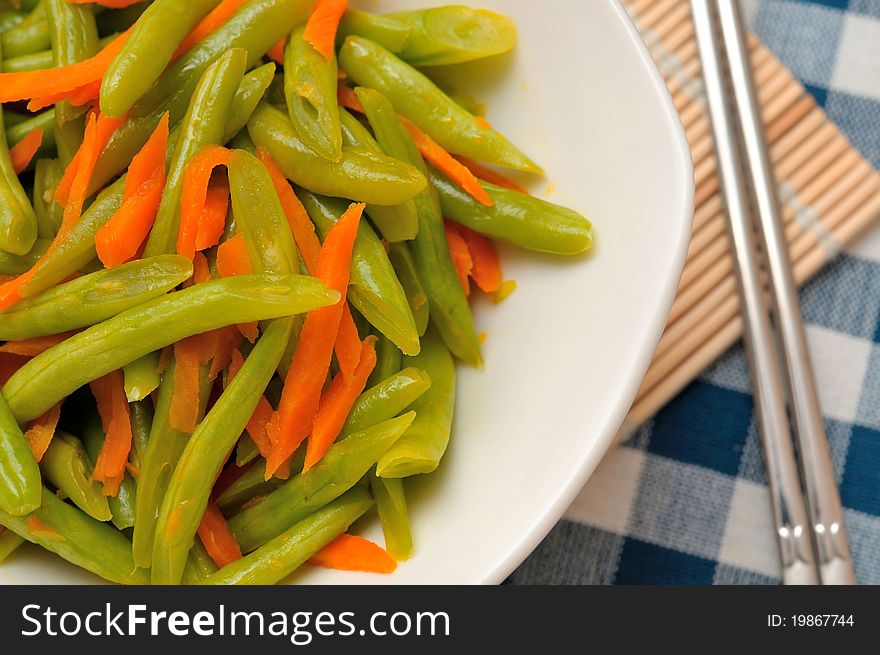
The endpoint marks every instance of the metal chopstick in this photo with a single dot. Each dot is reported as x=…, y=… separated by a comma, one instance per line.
x=823, y=499
x=789, y=511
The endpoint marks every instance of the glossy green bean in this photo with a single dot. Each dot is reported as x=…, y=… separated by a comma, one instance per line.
x=202, y=459
x=40, y=60
x=26, y=38
x=448, y=307
x=165, y=445
x=359, y=175
x=199, y=565
x=419, y=99
x=9, y=543
x=10, y=18
x=441, y=36
x=388, y=361
x=310, y=83
x=203, y=125
x=420, y=450
x=110, y=345
x=391, y=34
x=260, y=218
x=19, y=473
x=292, y=548
x=73, y=535
x=341, y=469
x=122, y=504
x=66, y=466
x=43, y=120
x=141, y=423
x=141, y=377
x=18, y=264
x=249, y=486
x=251, y=90
x=149, y=48
x=517, y=218
x=49, y=213
x=386, y=399
x=395, y=222
x=94, y=298
x=405, y=267
x=394, y=515
x=374, y=289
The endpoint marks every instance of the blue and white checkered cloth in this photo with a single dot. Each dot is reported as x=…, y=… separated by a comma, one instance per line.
x=685, y=500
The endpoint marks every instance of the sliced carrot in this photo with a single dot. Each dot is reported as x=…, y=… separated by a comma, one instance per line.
x=63, y=79
x=492, y=177
x=120, y=239
x=225, y=344
x=276, y=52
x=259, y=420
x=348, y=98
x=194, y=194
x=41, y=431
x=109, y=392
x=81, y=95
x=201, y=270
x=451, y=167
x=485, y=263
x=23, y=152
x=184, y=410
x=233, y=258
x=350, y=553
x=311, y=360
x=35, y=346
x=336, y=403
x=104, y=130
x=323, y=24
x=215, y=18
x=461, y=257
x=212, y=222
x=217, y=537
x=348, y=345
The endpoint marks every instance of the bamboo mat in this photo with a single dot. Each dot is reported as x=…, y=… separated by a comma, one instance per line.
x=830, y=195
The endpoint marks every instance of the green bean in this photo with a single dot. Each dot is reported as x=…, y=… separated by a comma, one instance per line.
x=246, y=452
x=40, y=61
x=420, y=100
x=148, y=50
x=242, y=141
x=66, y=531
x=165, y=445
x=10, y=18
x=449, y=309
x=289, y=550
x=386, y=400
x=359, y=175
x=395, y=222
x=74, y=37
x=43, y=121
x=110, y=345
x=141, y=423
x=391, y=34
x=9, y=543
x=141, y=377
x=190, y=487
x=94, y=298
x=19, y=473
x=18, y=223
x=422, y=447
x=49, y=213
x=442, y=36
x=18, y=264
x=199, y=565
x=249, y=486
x=517, y=218
x=374, y=289
x=26, y=38
x=405, y=267
x=251, y=90
x=310, y=83
x=203, y=125
x=123, y=503
x=66, y=466
x=341, y=469
x=260, y=216
x=391, y=505
x=255, y=27
x=388, y=361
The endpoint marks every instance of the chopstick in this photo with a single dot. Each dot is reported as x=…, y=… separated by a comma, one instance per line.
x=808, y=533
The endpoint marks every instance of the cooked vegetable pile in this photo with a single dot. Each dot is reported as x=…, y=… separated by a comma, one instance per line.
x=234, y=288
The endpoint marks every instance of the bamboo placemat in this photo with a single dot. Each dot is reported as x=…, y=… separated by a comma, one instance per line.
x=830, y=195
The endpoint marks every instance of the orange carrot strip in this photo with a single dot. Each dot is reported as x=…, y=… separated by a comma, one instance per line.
x=486, y=265
x=196, y=178
x=35, y=346
x=276, y=52
x=336, y=404
x=259, y=420
x=217, y=17
x=323, y=24
x=105, y=129
x=350, y=553
x=23, y=152
x=217, y=537
x=348, y=345
x=311, y=360
x=38, y=83
x=109, y=392
x=348, y=98
x=226, y=343
x=41, y=431
x=461, y=257
x=120, y=239
x=212, y=222
x=454, y=169
x=79, y=96
x=493, y=177
x=184, y=410
x=233, y=258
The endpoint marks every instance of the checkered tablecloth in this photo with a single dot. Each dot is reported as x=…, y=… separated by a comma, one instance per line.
x=685, y=499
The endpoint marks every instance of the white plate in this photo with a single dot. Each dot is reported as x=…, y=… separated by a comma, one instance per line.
x=567, y=352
